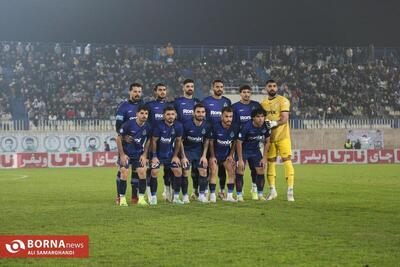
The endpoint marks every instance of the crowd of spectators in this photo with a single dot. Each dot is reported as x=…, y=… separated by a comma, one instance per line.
x=75, y=81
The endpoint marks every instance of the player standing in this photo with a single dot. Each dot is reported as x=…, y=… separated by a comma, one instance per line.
x=214, y=105
x=251, y=135
x=156, y=108
x=277, y=108
x=184, y=107
x=127, y=111
x=222, y=148
x=165, y=146
x=133, y=143
x=194, y=151
x=242, y=114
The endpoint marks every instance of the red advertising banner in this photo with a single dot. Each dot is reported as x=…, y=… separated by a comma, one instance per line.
x=381, y=156
x=70, y=160
x=8, y=160
x=397, y=156
x=314, y=156
x=347, y=156
x=32, y=160
x=44, y=246
x=105, y=159
x=109, y=159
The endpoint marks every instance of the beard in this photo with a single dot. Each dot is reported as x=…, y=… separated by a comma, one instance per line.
x=272, y=93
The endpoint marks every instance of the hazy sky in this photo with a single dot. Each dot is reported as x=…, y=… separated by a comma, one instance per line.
x=208, y=22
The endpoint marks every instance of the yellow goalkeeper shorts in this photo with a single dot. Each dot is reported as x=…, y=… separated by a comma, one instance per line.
x=282, y=147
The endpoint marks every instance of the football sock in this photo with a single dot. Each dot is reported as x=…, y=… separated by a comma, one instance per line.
x=271, y=174
x=134, y=184
x=203, y=183
x=289, y=173
x=239, y=183
x=222, y=177
x=153, y=186
x=142, y=186
x=122, y=187
x=212, y=188
x=184, y=185
x=260, y=183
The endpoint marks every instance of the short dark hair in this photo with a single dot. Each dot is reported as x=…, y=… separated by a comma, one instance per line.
x=199, y=105
x=134, y=85
x=227, y=109
x=187, y=81
x=142, y=107
x=217, y=81
x=92, y=138
x=270, y=81
x=258, y=111
x=244, y=87
x=168, y=108
x=157, y=85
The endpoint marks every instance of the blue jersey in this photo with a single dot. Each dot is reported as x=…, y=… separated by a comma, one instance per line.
x=126, y=111
x=166, y=138
x=214, y=108
x=223, y=139
x=156, y=110
x=194, y=136
x=139, y=134
x=184, y=108
x=251, y=136
x=242, y=112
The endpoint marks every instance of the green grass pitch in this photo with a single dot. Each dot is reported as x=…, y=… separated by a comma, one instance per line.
x=344, y=215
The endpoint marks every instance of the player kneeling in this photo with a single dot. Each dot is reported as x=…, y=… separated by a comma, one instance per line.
x=251, y=135
x=133, y=144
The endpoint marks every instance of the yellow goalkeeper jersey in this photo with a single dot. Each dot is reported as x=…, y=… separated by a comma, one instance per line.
x=274, y=107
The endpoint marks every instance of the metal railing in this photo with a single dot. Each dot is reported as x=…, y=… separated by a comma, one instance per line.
x=109, y=125
x=58, y=125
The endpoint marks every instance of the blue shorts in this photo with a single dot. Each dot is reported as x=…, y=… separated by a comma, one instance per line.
x=253, y=158
x=135, y=163
x=194, y=160
x=166, y=163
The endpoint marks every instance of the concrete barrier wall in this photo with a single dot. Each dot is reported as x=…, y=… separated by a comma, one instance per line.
x=335, y=138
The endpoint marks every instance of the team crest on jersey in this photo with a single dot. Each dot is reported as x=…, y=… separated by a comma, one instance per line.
x=144, y=132
x=173, y=131
x=203, y=131
x=232, y=135
x=225, y=104
x=264, y=131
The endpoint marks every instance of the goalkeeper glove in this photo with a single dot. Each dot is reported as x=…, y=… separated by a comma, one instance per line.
x=271, y=124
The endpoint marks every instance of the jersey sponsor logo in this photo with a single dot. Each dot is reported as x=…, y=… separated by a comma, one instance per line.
x=258, y=138
x=165, y=140
x=138, y=140
x=245, y=118
x=158, y=116
x=215, y=113
x=196, y=139
x=187, y=111
x=224, y=142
